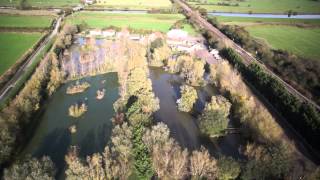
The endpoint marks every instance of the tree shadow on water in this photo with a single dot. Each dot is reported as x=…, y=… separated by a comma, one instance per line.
x=55, y=145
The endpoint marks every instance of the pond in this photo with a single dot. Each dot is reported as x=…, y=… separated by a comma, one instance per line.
x=183, y=126
x=52, y=136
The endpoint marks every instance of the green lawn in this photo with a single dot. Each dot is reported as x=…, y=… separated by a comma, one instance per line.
x=135, y=4
x=155, y=22
x=42, y=3
x=264, y=6
x=13, y=46
x=301, y=41
x=25, y=21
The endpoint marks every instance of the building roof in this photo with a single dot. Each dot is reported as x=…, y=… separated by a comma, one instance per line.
x=177, y=34
x=205, y=55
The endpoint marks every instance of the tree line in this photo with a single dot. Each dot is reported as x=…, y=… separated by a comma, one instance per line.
x=301, y=115
x=15, y=118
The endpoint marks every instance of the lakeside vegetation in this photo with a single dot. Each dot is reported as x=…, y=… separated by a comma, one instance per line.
x=154, y=22
x=19, y=21
x=259, y=6
x=14, y=45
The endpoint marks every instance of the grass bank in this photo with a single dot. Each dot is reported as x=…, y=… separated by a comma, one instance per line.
x=13, y=46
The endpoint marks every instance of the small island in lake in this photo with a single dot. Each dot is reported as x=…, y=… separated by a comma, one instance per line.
x=77, y=110
x=78, y=88
x=100, y=94
x=73, y=129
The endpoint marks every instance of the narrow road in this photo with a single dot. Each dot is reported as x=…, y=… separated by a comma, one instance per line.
x=247, y=57
x=10, y=84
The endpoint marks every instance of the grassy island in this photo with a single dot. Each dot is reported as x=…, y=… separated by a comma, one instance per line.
x=77, y=110
x=78, y=88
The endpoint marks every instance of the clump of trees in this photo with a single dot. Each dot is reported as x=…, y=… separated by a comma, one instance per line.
x=159, y=52
x=228, y=168
x=192, y=70
x=214, y=119
x=114, y=163
x=267, y=162
x=188, y=98
x=77, y=110
x=31, y=168
x=78, y=87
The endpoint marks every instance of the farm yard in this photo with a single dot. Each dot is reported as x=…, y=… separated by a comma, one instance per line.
x=13, y=46
x=15, y=21
x=42, y=3
x=136, y=4
x=154, y=22
x=259, y=6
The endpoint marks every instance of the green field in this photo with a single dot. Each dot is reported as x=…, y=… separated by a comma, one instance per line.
x=245, y=21
x=13, y=46
x=42, y=3
x=301, y=41
x=135, y=4
x=25, y=21
x=154, y=22
x=263, y=6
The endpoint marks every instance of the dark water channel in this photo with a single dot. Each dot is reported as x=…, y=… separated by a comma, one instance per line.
x=52, y=136
x=183, y=126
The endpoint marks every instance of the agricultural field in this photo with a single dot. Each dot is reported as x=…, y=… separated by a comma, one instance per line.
x=155, y=22
x=260, y=6
x=13, y=21
x=301, y=41
x=245, y=21
x=13, y=46
x=135, y=4
x=299, y=36
x=42, y=3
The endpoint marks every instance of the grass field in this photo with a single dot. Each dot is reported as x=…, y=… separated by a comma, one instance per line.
x=301, y=41
x=25, y=21
x=13, y=46
x=155, y=22
x=264, y=6
x=135, y=4
x=243, y=21
x=42, y=3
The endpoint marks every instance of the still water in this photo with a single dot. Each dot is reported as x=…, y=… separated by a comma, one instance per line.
x=52, y=136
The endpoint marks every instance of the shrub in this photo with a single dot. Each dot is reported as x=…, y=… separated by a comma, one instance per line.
x=188, y=98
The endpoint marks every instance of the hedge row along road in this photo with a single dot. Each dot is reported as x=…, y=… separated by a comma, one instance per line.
x=247, y=57
x=6, y=89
